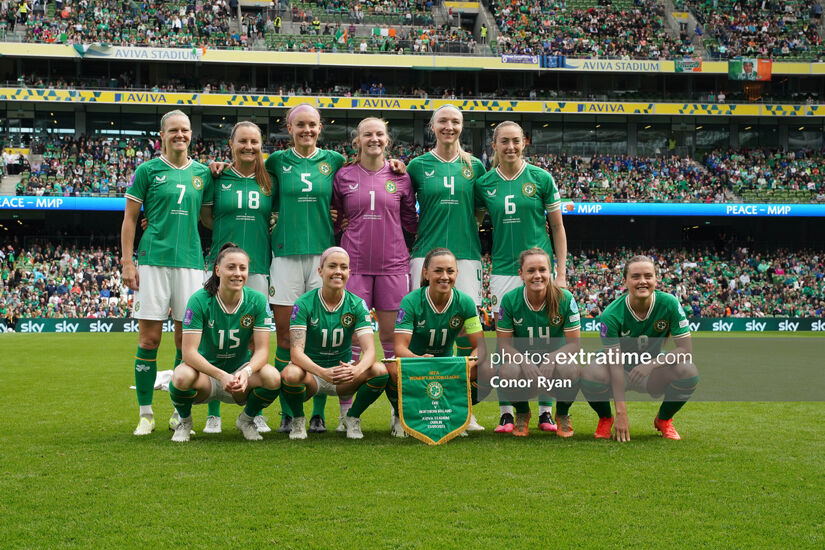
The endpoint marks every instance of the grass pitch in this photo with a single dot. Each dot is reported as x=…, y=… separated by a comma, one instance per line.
x=745, y=474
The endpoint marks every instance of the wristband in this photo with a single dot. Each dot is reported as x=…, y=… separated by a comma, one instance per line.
x=248, y=370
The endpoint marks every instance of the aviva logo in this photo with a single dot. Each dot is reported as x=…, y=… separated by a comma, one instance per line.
x=138, y=97
x=601, y=108
x=380, y=103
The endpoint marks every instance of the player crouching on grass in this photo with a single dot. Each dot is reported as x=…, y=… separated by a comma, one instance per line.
x=539, y=318
x=321, y=330
x=221, y=321
x=640, y=321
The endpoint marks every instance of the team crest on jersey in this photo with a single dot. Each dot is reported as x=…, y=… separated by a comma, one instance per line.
x=247, y=321
x=347, y=320
x=390, y=187
x=556, y=320
x=325, y=168
x=435, y=390
x=529, y=189
x=271, y=290
x=467, y=172
x=197, y=182
x=661, y=325
x=455, y=321
x=137, y=307
x=495, y=299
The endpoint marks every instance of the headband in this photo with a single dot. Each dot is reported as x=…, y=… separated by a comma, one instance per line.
x=298, y=109
x=332, y=250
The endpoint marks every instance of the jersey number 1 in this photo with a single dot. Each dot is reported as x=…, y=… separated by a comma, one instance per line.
x=233, y=338
x=254, y=200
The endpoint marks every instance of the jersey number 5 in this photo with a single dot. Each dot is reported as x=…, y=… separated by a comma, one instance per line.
x=305, y=180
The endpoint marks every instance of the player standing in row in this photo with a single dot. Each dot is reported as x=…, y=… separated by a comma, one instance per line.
x=640, y=321
x=221, y=321
x=444, y=180
x=323, y=324
x=522, y=200
x=379, y=206
x=169, y=269
x=304, y=177
x=430, y=319
x=539, y=317
x=238, y=210
x=302, y=191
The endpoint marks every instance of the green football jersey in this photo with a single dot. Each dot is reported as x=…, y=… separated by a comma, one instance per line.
x=171, y=199
x=225, y=335
x=447, y=205
x=621, y=326
x=433, y=332
x=241, y=211
x=517, y=316
x=330, y=328
x=518, y=208
x=303, y=194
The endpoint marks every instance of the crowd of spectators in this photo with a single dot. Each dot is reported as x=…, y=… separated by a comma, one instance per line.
x=403, y=12
x=172, y=24
x=759, y=28
x=608, y=178
x=54, y=280
x=752, y=170
x=624, y=31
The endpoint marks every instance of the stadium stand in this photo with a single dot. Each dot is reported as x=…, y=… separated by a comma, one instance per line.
x=786, y=30
x=586, y=28
x=53, y=280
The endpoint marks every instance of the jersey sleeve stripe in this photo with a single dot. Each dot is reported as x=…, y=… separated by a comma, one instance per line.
x=403, y=331
x=553, y=206
x=675, y=336
x=571, y=329
x=363, y=330
x=192, y=331
x=507, y=330
x=261, y=329
x=297, y=327
x=134, y=198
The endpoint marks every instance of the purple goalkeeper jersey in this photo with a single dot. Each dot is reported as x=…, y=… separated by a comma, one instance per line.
x=378, y=205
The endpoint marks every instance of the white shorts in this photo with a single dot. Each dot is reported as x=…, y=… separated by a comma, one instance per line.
x=255, y=281
x=292, y=276
x=162, y=288
x=501, y=285
x=324, y=387
x=468, y=280
x=217, y=393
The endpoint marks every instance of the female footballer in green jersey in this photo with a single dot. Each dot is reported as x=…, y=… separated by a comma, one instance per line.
x=169, y=270
x=238, y=210
x=302, y=190
x=543, y=320
x=322, y=326
x=429, y=320
x=521, y=199
x=221, y=321
x=444, y=181
x=639, y=322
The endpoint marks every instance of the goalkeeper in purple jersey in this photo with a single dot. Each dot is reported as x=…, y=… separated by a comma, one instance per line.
x=378, y=205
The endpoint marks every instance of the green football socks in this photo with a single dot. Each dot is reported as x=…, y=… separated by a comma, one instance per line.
x=182, y=400
x=676, y=395
x=146, y=369
x=367, y=394
x=293, y=397
x=598, y=397
x=259, y=399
